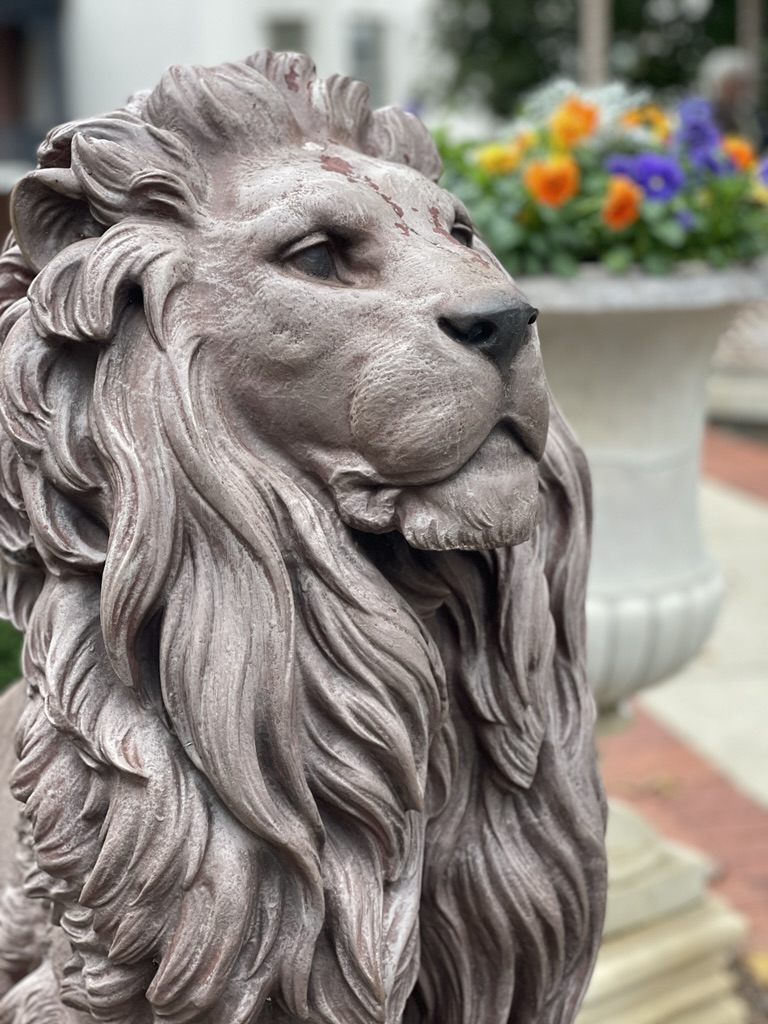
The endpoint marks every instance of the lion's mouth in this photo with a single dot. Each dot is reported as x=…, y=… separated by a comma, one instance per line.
x=490, y=502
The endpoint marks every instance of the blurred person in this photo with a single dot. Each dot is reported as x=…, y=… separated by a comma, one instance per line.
x=729, y=78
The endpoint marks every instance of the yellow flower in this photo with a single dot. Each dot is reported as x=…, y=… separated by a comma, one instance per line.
x=741, y=152
x=499, y=157
x=648, y=116
x=575, y=119
x=553, y=181
x=526, y=138
x=621, y=206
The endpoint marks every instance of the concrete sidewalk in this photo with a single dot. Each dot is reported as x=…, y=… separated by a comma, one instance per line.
x=695, y=758
x=719, y=704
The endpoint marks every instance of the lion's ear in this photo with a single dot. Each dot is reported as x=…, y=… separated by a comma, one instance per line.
x=48, y=213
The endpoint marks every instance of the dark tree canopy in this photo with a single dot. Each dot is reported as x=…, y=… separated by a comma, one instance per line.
x=502, y=48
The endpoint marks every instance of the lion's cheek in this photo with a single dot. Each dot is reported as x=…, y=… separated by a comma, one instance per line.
x=416, y=417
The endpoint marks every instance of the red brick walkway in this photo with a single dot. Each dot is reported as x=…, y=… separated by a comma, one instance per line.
x=736, y=461
x=676, y=789
x=680, y=793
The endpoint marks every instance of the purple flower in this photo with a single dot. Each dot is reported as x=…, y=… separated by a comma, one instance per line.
x=697, y=130
x=710, y=159
x=621, y=163
x=685, y=219
x=661, y=176
x=762, y=173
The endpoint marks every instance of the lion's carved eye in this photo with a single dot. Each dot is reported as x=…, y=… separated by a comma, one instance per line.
x=316, y=261
x=462, y=233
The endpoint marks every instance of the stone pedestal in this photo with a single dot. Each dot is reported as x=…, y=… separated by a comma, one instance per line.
x=667, y=943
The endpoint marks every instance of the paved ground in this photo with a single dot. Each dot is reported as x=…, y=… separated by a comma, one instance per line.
x=695, y=759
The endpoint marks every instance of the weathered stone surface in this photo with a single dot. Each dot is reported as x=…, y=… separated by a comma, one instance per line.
x=647, y=878
x=307, y=735
x=691, y=286
x=655, y=973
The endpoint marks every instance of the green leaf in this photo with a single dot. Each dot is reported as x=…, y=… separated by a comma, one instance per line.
x=657, y=263
x=10, y=651
x=716, y=256
x=563, y=264
x=617, y=259
x=653, y=211
x=504, y=234
x=670, y=232
x=531, y=265
x=540, y=245
x=512, y=263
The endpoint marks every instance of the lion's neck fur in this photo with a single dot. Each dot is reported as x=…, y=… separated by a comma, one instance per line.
x=412, y=838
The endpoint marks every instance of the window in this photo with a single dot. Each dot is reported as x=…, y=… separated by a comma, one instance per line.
x=288, y=34
x=367, y=52
x=30, y=75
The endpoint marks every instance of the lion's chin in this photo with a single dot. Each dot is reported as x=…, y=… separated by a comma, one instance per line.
x=490, y=502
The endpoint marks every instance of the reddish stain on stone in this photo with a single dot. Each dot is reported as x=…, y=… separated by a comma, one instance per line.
x=390, y=202
x=437, y=227
x=335, y=163
x=388, y=199
x=292, y=80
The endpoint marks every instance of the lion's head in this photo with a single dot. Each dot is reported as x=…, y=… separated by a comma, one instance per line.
x=245, y=333
x=401, y=368
x=397, y=361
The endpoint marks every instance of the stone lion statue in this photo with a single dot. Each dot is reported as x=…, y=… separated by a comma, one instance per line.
x=305, y=734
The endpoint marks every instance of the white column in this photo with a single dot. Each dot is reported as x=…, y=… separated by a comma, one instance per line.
x=595, y=23
x=749, y=27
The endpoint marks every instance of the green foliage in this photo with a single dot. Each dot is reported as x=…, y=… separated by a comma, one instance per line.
x=10, y=652
x=661, y=43
x=502, y=49
x=611, y=202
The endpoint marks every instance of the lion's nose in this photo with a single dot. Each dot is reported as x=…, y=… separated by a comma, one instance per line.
x=497, y=333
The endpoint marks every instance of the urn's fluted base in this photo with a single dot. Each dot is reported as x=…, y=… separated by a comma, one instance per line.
x=637, y=637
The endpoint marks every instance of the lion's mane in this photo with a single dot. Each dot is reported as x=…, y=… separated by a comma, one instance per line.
x=251, y=736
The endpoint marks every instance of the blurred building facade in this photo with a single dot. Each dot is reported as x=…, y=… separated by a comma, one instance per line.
x=62, y=59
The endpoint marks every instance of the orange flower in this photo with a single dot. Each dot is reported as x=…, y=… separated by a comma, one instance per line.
x=499, y=157
x=526, y=138
x=649, y=116
x=553, y=181
x=621, y=206
x=573, y=120
x=740, y=151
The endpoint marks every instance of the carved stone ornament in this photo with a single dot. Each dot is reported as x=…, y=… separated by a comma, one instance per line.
x=306, y=735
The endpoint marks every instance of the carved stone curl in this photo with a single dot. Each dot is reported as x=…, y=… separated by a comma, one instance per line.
x=306, y=735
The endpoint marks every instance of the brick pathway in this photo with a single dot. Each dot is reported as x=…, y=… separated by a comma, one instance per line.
x=686, y=799
x=676, y=789
x=737, y=461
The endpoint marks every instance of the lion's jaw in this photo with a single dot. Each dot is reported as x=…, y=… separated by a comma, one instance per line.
x=354, y=375
x=490, y=502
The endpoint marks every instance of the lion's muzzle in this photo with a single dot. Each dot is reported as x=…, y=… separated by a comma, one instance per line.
x=499, y=333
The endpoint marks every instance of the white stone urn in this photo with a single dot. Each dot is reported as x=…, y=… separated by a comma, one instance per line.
x=627, y=359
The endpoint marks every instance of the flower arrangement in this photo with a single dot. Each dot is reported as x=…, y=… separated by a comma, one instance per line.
x=604, y=175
